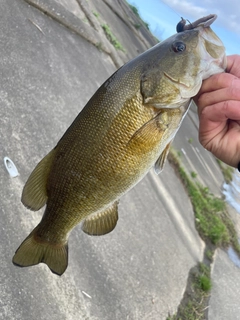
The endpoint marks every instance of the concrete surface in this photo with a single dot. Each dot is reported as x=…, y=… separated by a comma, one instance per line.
x=224, y=302
x=140, y=270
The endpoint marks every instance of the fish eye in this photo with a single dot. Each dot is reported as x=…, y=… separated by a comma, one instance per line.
x=178, y=46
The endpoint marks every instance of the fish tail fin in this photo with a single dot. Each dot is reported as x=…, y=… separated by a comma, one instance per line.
x=32, y=251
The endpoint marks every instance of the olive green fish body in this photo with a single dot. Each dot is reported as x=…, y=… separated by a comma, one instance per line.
x=125, y=128
x=117, y=163
x=104, y=171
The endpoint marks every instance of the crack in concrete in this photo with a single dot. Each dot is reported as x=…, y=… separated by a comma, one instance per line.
x=58, y=12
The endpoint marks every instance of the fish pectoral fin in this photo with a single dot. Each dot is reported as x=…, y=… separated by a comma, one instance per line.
x=32, y=251
x=102, y=222
x=34, y=195
x=148, y=136
x=158, y=167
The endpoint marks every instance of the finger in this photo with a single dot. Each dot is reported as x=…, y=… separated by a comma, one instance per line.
x=221, y=112
x=222, y=80
x=229, y=93
x=230, y=61
x=233, y=65
x=217, y=81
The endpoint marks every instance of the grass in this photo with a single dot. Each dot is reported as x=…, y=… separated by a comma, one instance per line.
x=112, y=38
x=193, y=174
x=213, y=222
x=227, y=171
x=195, y=301
x=204, y=283
x=204, y=278
x=135, y=11
x=216, y=228
x=209, y=254
x=137, y=25
x=96, y=14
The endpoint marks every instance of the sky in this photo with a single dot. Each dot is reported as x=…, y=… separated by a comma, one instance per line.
x=163, y=16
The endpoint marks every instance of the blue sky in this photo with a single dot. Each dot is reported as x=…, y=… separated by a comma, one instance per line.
x=163, y=15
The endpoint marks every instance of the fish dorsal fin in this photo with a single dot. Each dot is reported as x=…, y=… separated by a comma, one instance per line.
x=102, y=222
x=34, y=195
x=158, y=167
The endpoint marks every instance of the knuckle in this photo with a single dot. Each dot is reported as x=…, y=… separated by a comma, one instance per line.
x=225, y=106
x=234, y=89
x=202, y=101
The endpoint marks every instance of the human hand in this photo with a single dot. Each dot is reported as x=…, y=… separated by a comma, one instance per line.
x=219, y=113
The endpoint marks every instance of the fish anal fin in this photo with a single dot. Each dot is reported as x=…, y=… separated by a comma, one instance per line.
x=102, y=222
x=34, y=195
x=158, y=167
x=32, y=252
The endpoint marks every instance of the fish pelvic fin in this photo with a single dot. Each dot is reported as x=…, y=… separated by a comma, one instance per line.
x=32, y=252
x=158, y=167
x=102, y=222
x=34, y=195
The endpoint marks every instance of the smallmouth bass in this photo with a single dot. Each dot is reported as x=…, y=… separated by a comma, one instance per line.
x=125, y=129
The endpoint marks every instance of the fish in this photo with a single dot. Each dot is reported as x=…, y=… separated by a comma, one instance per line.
x=124, y=130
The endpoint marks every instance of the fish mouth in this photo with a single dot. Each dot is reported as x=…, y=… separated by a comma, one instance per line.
x=212, y=49
x=186, y=91
x=213, y=54
x=177, y=81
